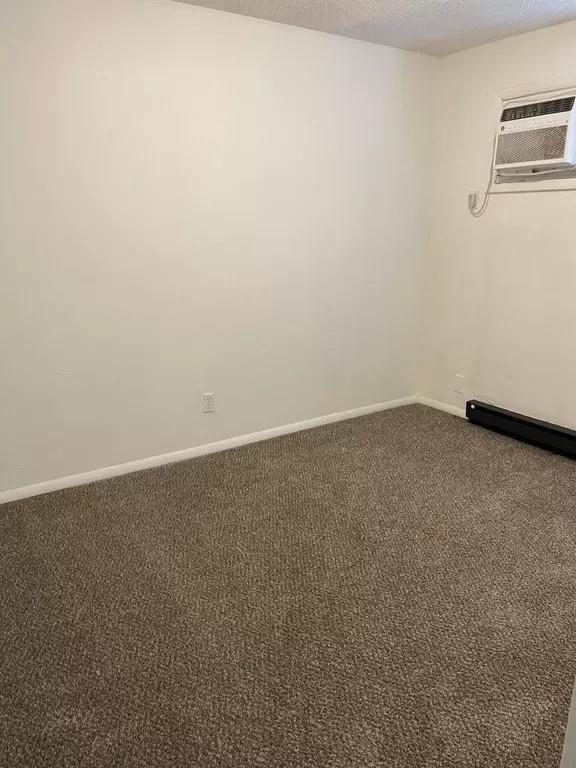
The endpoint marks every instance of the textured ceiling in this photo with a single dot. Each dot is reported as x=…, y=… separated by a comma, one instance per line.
x=438, y=27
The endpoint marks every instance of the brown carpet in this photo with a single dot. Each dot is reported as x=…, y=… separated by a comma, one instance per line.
x=398, y=590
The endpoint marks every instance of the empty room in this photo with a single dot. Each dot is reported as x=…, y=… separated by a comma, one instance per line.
x=287, y=384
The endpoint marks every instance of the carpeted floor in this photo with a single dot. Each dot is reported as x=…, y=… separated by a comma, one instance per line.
x=398, y=590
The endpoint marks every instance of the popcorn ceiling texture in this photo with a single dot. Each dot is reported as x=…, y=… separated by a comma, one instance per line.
x=438, y=27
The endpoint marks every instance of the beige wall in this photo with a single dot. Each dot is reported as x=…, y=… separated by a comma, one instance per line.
x=194, y=201
x=499, y=291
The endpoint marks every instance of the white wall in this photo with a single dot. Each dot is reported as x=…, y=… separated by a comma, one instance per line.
x=499, y=292
x=193, y=201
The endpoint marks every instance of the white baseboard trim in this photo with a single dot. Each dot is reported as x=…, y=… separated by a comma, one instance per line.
x=190, y=453
x=439, y=406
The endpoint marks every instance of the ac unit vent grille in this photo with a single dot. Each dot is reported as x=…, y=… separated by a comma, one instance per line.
x=531, y=146
x=537, y=110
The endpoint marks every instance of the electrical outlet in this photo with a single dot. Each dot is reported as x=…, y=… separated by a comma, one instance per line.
x=460, y=384
x=208, y=402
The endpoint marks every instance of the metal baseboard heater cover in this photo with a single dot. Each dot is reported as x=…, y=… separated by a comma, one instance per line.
x=540, y=433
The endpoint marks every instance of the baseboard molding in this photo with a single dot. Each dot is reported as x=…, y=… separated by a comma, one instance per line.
x=105, y=473
x=439, y=406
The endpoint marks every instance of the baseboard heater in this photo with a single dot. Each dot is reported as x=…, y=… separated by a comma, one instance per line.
x=541, y=433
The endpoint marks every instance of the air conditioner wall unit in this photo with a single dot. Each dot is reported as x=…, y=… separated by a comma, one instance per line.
x=536, y=137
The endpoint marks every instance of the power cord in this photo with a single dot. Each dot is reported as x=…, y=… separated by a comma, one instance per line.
x=473, y=197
